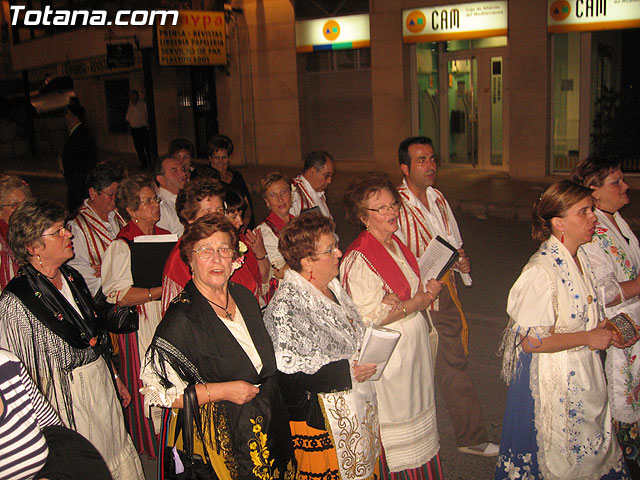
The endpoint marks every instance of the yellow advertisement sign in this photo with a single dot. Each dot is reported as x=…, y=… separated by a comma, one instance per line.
x=455, y=21
x=199, y=38
x=592, y=15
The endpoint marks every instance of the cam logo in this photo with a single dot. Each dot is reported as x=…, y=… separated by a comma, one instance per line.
x=416, y=21
x=560, y=10
x=331, y=30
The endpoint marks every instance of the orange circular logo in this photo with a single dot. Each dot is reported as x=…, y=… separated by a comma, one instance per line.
x=331, y=30
x=560, y=10
x=416, y=21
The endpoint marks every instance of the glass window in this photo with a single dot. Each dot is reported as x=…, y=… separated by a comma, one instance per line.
x=614, y=96
x=307, y=10
x=338, y=60
x=489, y=42
x=345, y=59
x=428, y=108
x=566, y=101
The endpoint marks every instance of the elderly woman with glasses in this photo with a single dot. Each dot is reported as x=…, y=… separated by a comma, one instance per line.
x=276, y=191
x=317, y=332
x=49, y=322
x=138, y=203
x=13, y=191
x=97, y=224
x=382, y=276
x=213, y=337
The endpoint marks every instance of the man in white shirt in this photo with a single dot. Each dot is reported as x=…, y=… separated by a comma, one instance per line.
x=137, y=119
x=96, y=224
x=424, y=214
x=170, y=177
x=311, y=183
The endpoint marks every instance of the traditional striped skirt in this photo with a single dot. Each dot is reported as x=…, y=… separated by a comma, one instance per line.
x=432, y=470
x=140, y=427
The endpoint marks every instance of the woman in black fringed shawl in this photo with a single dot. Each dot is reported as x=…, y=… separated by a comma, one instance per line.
x=212, y=336
x=49, y=322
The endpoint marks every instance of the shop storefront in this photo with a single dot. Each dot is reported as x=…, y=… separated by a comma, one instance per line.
x=459, y=87
x=595, y=81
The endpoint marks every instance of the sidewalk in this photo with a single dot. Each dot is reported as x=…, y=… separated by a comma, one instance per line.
x=471, y=192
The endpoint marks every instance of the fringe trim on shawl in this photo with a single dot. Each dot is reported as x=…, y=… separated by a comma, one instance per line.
x=162, y=353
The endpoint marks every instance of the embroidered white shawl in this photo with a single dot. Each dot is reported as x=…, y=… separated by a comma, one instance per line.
x=615, y=260
x=572, y=415
x=308, y=331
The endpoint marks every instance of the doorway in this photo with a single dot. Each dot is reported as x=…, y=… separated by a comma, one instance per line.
x=462, y=104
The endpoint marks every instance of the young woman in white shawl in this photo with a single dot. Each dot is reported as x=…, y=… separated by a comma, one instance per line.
x=316, y=333
x=557, y=423
x=614, y=254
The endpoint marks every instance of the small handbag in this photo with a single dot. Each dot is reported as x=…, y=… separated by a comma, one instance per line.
x=116, y=319
x=185, y=464
x=622, y=325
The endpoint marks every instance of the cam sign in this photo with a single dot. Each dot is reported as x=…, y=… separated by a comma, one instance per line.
x=455, y=22
x=590, y=15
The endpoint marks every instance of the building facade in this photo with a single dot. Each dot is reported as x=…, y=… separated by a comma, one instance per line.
x=526, y=88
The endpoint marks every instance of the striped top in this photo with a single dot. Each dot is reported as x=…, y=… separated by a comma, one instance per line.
x=23, y=449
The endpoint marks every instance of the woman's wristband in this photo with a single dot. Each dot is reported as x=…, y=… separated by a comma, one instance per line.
x=206, y=387
x=149, y=291
x=404, y=309
x=262, y=257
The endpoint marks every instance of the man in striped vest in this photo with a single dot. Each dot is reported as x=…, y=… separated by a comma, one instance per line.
x=424, y=214
x=96, y=224
x=309, y=186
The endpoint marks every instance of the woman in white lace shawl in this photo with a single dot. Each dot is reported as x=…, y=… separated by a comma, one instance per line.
x=614, y=253
x=316, y=333
x=557, y=422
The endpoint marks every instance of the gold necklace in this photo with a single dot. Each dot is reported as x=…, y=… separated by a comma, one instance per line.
x=227, y=313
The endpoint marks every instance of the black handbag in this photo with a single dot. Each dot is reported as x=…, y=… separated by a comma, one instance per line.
x=115, y=318
x=194, y=466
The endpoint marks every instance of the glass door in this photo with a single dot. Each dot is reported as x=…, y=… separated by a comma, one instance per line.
x=461, y=102
x=462, y=109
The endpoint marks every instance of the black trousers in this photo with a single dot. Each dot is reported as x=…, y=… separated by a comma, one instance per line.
x=141, y=143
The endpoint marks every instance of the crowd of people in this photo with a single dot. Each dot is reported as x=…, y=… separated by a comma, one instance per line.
x=261, y=325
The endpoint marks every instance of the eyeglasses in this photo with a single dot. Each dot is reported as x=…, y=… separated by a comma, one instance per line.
x=110, y=195
x=207, y=211
x=13, y=205
x=59, y=232
x=281, y=194
x=386, y=209
x=330, y=251
x=147, y=201
x=206, y=252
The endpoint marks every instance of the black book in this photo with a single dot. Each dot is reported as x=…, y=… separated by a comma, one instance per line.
x=148, y=256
